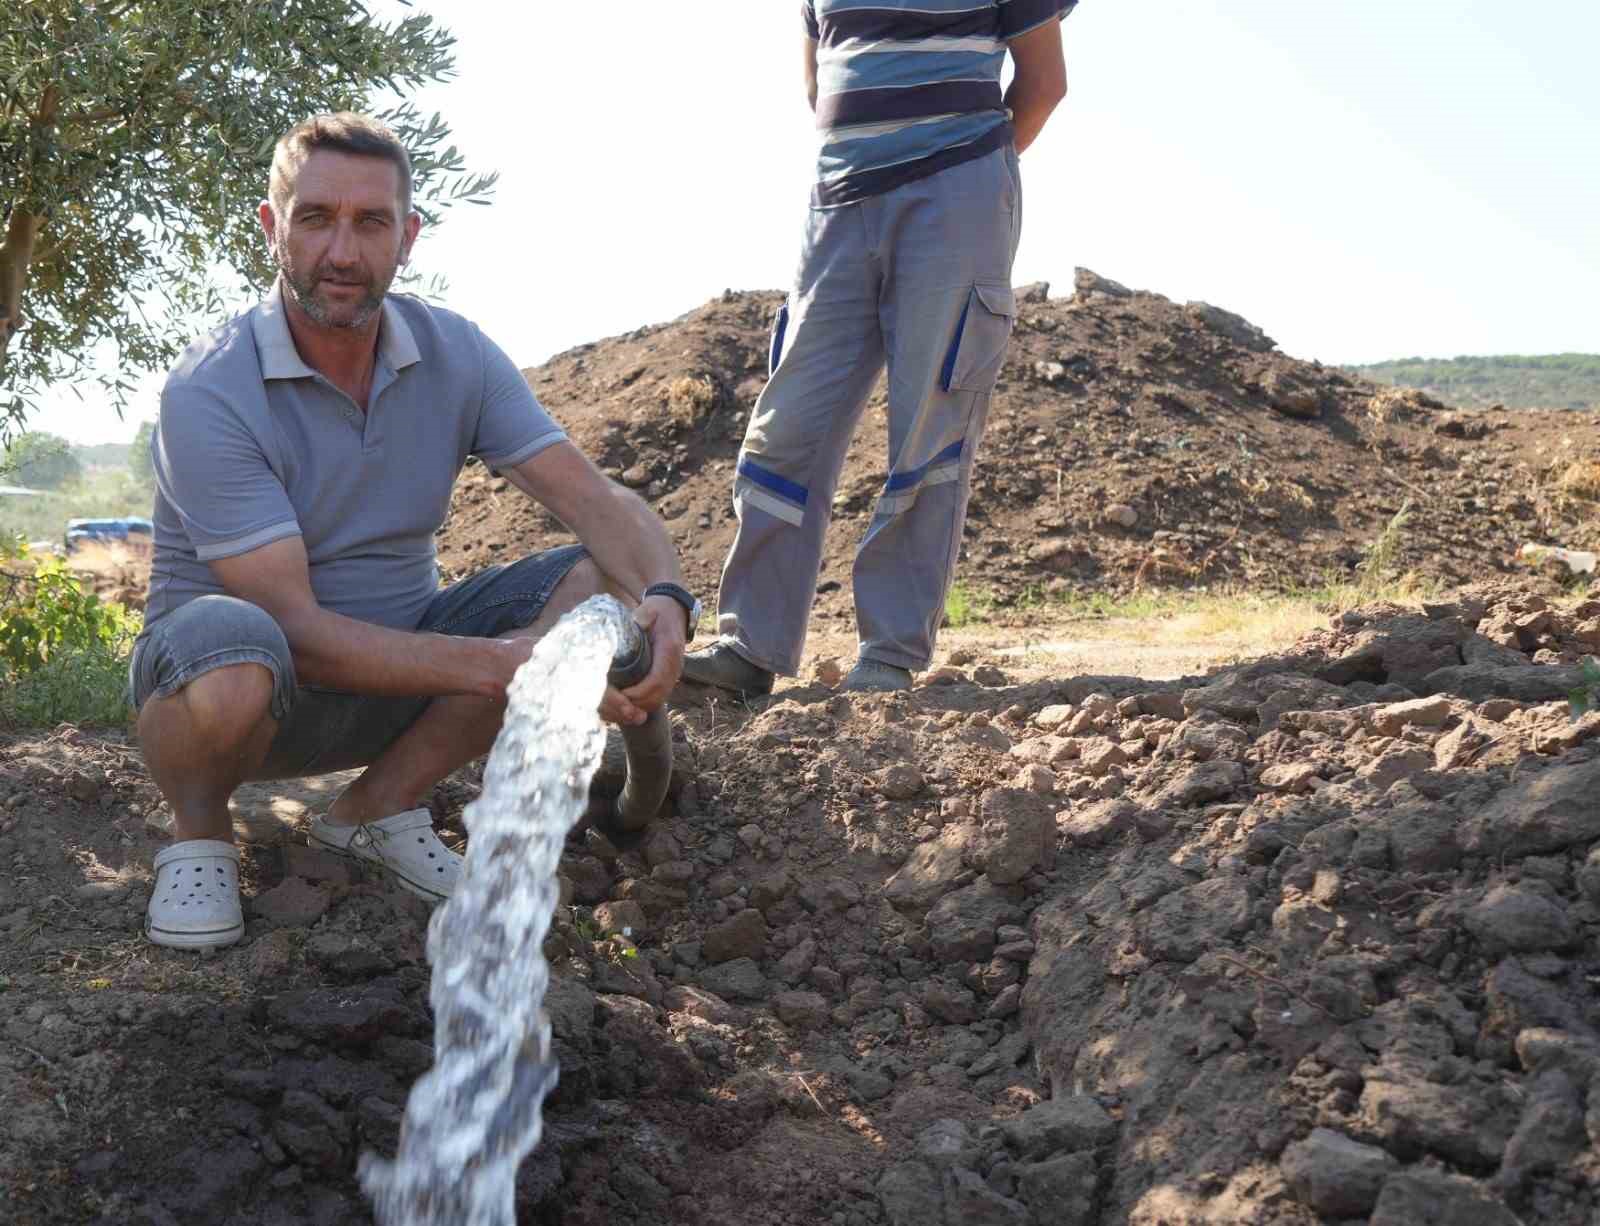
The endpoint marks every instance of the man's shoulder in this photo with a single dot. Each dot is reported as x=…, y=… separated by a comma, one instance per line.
x=217, y=359
x=432, y=325
x=451, y=349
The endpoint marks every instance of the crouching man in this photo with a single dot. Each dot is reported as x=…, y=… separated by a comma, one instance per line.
x=295, y=624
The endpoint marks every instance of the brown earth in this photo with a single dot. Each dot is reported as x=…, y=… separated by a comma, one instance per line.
x=1298, y=938
x=1306, y=939
x=1133, y=441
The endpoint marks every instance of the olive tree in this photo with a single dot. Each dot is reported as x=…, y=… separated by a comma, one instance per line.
x=135, y=141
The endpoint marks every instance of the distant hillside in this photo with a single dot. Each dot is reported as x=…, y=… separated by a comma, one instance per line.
x=104, y=455
x=1554, y=381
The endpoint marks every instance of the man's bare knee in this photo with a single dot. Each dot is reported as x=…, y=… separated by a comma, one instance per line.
x=584, y=580
x=226, y=702
x=238, y=687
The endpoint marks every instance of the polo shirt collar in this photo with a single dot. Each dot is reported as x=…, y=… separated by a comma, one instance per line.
x=397, y=346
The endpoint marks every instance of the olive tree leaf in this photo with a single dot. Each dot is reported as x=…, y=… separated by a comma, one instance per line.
x=135, y=140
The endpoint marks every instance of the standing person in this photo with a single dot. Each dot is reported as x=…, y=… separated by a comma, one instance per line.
x=907, y=261
x=295, y=625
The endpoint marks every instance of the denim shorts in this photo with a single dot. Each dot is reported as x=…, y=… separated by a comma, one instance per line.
x=327, y=730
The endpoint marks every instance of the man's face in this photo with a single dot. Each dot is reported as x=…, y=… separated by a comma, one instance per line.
x=340, y=237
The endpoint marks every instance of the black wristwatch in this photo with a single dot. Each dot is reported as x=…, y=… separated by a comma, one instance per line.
x=691, y=606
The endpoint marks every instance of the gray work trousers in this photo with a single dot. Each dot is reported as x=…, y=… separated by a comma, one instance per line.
x=919, y=279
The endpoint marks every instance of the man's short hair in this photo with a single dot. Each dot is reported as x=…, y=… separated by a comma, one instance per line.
x=341, y=132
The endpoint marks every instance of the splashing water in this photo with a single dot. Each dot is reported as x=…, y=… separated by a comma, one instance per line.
x=475, y=1115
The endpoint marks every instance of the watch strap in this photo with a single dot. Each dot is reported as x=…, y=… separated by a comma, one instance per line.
x=684, y=597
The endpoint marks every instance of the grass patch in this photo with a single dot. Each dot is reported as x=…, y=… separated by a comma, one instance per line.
x=1108, y=606
x=1225, y=618
x=1174, y=619
x=1228, y=618
x=965, y=605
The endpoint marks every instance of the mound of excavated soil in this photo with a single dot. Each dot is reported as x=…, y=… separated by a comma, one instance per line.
x=1310, y=939
x=1133, y=440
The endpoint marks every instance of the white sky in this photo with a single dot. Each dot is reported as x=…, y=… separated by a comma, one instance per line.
x=1366, y=180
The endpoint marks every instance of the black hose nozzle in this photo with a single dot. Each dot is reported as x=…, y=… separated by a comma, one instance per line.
x=631, y=664
x=647, y=747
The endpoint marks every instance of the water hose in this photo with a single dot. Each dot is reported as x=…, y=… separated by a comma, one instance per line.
x=647, y=747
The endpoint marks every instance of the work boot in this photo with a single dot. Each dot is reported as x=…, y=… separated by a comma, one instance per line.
x=876, y=677
x=722, y=666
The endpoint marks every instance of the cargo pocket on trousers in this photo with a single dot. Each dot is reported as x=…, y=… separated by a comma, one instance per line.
x=979, y=346
x=780, y=325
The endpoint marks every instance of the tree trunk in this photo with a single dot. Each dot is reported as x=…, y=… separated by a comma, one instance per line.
x=22, y=233
x=16, y=253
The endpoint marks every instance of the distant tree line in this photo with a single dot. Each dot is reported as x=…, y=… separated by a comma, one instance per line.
x=1551, y=381
x=39, y=461
x=48, y=461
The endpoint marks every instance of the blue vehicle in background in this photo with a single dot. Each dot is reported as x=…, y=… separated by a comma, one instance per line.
x=134, y=531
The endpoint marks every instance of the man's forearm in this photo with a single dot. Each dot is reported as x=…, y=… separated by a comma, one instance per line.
x=811, y=71
x=627, y=540
x=630, y=543
x=335, y=652
x=1040, y=82
x=1031, y=104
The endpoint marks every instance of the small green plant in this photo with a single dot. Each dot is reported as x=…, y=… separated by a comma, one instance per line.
x=964, y=606
x=1378, y=566
x=616, y=946
x=1586, y=697
x=63, y=651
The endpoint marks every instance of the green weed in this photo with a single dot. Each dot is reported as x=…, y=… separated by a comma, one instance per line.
x=1378, y=567
x=87, y=687
x=966, y=606
x=63, y=652
x=1586, y=697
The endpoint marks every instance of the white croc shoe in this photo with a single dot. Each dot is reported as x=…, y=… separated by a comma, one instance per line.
x=195, y=903
x=404, y=844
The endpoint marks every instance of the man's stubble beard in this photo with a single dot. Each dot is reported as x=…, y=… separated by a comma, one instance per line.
x=304, y=288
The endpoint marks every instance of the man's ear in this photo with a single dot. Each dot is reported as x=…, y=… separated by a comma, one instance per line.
x=269, y=221
x=413, y=227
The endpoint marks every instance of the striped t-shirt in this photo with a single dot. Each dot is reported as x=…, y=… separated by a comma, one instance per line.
x=907, y=88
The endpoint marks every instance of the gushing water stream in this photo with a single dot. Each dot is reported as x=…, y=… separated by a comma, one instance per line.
x=475, y=1115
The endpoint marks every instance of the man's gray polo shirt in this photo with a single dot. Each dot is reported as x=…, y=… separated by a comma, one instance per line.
x=253, y=446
